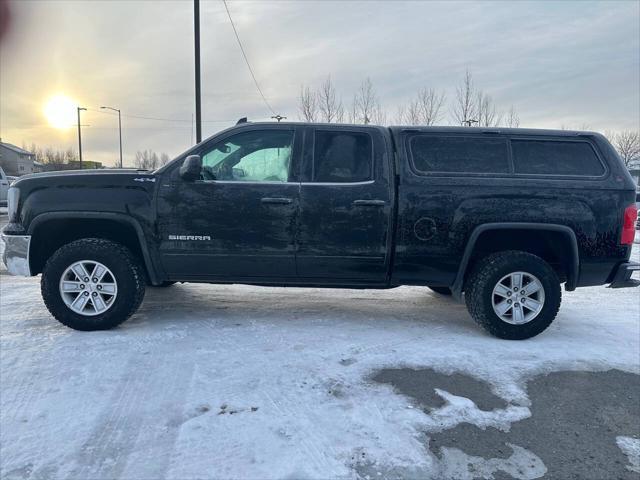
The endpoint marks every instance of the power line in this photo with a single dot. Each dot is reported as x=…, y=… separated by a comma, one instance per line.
x=142, y=117
x=246, y=59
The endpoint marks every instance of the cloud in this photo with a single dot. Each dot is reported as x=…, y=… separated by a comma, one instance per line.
x=570, y=63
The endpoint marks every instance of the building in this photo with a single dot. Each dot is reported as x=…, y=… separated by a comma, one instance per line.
x=16, y=161
x=86, y=164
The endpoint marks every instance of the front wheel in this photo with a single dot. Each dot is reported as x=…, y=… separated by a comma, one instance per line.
x=92, y=284
x=513, y=295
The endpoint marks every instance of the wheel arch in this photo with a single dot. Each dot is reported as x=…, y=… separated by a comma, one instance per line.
x=71, y=226
x=570, y=243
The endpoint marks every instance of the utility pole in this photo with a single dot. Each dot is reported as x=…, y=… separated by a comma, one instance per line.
x=279, y=118
x=80, y=137
x=119, y=128
x=196, y=32
x=469, y=122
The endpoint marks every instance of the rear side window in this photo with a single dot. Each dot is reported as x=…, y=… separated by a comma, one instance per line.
x=342, y=157
x=537, y=157
x=459, y=154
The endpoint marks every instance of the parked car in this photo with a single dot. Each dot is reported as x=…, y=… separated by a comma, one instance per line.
x=4, y=188
x=502, y=217
x=11, y=179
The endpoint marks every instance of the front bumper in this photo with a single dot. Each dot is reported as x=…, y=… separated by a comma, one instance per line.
x=622, y=277
x=16, y=254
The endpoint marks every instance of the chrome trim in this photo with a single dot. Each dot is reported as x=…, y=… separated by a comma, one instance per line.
x=16, y=254
x=339, y=184
x=242, y=182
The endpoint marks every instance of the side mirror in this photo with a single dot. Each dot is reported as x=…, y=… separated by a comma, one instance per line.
x=191, y=168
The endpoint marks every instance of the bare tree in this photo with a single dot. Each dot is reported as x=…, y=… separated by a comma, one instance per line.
x=307, y=104
x=512, y=120
x=331, y=109
x=627, y=143
x=366, y=107
x=53, y=156
x=164, y=159
x=486, y=111
x=425, y=109
x=431, y=103
x=379, y=115
x=465, y=107
x=147, y=160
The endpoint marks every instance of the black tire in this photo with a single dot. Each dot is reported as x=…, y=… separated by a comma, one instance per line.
x=488, y=272
x=446, y=291
x=127, y=271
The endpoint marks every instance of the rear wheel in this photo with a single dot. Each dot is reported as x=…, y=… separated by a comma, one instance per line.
x=513, y=295
x=92, y=284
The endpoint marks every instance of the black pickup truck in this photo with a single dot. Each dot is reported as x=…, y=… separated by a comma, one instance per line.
x=502, y=217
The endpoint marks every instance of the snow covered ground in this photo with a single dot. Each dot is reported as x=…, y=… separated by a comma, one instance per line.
x=234, y=381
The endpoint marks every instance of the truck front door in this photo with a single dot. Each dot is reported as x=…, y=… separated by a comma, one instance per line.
x=237, y=222
x=345, y=206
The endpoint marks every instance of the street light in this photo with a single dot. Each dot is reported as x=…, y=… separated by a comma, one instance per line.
x=80, y=137
x=119, y=128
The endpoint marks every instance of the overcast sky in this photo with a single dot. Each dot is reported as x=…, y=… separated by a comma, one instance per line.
x=558, y=63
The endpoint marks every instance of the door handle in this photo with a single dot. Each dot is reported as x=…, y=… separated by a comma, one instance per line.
x=369, y=203
x=276, y=200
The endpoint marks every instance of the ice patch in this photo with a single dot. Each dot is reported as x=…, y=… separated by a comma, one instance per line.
x=458, y=410
x=522, y=465
x=631, y=448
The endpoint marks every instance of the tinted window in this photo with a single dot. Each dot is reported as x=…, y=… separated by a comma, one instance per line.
x=457, y=154
x=342, y=157
x=257, y=156
x=555, y=158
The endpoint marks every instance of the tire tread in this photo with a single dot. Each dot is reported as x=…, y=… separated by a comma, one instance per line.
x=49, y=286
x=480, y=276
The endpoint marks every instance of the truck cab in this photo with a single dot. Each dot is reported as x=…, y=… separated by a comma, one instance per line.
x=279, y=203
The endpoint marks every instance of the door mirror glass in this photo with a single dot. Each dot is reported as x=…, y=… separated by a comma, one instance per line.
x=191, y=168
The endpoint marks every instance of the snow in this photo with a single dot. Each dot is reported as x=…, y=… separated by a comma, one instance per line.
x=521, y=465
x=250, y=382
x=631, y=448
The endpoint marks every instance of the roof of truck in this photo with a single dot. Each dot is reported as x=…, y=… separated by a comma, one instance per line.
x=438, y=129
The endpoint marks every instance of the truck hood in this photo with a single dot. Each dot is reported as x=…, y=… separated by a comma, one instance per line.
x=122, y=191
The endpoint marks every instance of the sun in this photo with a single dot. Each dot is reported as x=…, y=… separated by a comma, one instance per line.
x=60, y=111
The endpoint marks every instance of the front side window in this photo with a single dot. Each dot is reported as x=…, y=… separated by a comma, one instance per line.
x=256, y=156
x=342, y=157
x=539, y=157
x=459, y=154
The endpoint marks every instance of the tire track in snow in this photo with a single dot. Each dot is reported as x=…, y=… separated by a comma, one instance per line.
x=131, y=434
x=320, y=451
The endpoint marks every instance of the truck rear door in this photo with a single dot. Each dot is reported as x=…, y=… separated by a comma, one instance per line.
x=346, y=198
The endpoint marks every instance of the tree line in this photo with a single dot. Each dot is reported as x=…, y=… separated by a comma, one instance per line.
x=470, y=106
x=150, y=160
x=59, y=159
